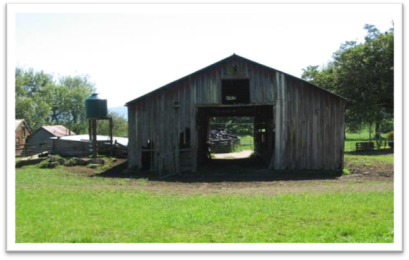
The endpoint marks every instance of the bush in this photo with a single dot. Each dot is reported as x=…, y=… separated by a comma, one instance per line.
x=390, y=135
x=44, y=164
x=70, y=162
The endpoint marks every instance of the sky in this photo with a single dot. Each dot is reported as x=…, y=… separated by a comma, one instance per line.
x=129, y=50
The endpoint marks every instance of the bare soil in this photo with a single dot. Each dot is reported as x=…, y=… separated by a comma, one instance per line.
x=237, y=155
x=246, y=178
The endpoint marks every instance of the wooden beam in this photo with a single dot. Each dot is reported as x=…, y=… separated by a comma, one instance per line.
x=94, y=138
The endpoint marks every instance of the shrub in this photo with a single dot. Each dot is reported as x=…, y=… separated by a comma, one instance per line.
x=70, y=162
x=44, y=164
x=390, y=135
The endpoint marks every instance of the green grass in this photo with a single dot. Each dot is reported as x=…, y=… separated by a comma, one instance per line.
x=369, y=159
x=60, y=207
x=246, y=143
x=361, y=136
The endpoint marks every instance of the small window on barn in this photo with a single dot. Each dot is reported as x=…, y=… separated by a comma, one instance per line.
x=235, y=91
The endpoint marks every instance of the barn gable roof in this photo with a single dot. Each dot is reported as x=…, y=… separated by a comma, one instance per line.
x=219, y=62
x=19, y=122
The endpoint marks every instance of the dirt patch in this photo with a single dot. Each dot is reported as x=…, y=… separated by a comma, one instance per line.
x=238, y=155
x=369, y=167
x=248, y=179
x=84, y=170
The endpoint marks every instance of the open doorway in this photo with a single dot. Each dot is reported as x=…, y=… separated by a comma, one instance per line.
x=231, y=137
x=257, y=138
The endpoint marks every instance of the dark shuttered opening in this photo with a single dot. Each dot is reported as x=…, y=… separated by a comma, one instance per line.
x=235, y=91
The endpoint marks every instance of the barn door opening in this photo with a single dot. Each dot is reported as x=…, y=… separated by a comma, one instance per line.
x=231, y=137
x=253, y=124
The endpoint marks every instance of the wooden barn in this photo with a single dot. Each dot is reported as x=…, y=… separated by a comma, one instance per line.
x=297, y=125
x=22, y=131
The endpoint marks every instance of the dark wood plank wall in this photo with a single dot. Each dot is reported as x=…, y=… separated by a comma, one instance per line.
x=309, y=127
x=309, y=122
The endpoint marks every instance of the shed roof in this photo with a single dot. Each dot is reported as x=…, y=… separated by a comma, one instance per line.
x=216, y=63
x=18, y=123
x=58, y=130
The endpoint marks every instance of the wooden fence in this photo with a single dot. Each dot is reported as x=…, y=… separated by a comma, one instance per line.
x=70, y=148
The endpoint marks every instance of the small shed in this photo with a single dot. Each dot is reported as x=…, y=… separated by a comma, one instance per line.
x=22, y=131
x=40, y=141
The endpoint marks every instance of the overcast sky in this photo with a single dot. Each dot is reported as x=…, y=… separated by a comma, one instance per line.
x=131, y=50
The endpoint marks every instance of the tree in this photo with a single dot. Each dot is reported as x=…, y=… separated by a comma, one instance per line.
x=78, y=89
x=362, y=73
x=120, y=126
x=323, y=77
x=236, y=125
x=30, y=104
x=40, y=100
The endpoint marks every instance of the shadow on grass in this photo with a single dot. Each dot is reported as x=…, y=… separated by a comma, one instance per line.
x=238, y=170
x=374, y=152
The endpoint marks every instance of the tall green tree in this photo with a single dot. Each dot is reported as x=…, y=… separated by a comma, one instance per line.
x=30, y=104
x=41, y=100
x=363, y=73
x=78, y=88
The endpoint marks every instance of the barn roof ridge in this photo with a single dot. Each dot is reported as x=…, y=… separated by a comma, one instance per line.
x=223, y=60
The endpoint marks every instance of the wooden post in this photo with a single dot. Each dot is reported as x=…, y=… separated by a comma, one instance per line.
x=90, y=129
x=94, y=138
x=111, y=134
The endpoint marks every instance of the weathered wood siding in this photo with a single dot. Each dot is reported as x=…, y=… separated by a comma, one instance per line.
x=40, y=136
x=309, y=127
x=39, y=141
x=154, y=117
x=22, y=133
x=309, y=121
x=71, y=148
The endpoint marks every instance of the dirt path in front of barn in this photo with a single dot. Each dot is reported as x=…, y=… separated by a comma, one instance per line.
x=235, y=180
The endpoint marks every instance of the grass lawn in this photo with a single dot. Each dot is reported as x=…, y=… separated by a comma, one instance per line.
x=362, y=159
x=57, y=206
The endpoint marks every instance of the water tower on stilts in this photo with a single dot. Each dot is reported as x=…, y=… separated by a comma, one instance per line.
x=96, y=109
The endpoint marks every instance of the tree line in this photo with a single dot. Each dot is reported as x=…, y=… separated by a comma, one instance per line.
x=362, y=73
x=42, y=100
